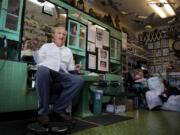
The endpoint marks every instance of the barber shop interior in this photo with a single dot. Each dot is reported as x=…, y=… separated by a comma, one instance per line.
x=89, y=67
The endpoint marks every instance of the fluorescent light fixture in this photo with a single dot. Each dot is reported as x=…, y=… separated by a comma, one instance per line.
x=168, y=8
x=157, y=10
x=50, y=5
x=37, y=3
x=97, y=26
x=164, y=11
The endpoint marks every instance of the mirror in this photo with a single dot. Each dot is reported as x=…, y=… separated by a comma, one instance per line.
x=40, y=20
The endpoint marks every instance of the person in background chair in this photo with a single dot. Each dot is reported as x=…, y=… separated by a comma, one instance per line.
x=54, y=60
x=26, y=53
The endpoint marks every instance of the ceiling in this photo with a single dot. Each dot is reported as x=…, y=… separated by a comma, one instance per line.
x=128, y=10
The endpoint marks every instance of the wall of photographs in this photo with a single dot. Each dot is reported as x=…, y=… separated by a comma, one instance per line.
x=159, y=53
x=98, y=49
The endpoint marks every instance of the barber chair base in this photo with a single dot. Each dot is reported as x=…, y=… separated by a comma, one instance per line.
x=54, y=128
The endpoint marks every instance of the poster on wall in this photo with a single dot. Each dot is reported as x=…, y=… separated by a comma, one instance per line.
x=91, y=33
x=99, y=38
x=105, y=38
x=91, y=61
x=103, y=60
x=124, y=41
x=91, y=47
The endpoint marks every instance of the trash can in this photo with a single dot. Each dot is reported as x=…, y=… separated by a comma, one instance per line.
x=97, y=102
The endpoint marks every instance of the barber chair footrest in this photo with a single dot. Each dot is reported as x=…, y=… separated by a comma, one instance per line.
x=53, y=127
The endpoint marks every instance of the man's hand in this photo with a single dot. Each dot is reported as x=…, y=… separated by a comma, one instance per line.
x=78, y=67
x=35, y=44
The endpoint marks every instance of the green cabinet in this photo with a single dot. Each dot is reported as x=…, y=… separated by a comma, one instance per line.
x=76, y=39
x=10, y=18
x=14, y=95
x=115, y=49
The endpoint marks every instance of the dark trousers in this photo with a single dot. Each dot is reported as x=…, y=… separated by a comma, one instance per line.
x=70, y=85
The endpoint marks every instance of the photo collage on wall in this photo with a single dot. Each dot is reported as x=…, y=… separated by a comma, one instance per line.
x=159, y=53
x=98, y=49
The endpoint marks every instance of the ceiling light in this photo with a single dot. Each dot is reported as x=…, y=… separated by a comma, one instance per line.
x=158, y=10
x=37, y=2
x=97, y=26
x=50, y=5
x=168, y=8
x=163, y=11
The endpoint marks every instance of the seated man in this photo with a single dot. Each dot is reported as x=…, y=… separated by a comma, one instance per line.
x=53, y=61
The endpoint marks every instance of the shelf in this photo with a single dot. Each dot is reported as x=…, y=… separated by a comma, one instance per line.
x=136, y=46
x=138, y=56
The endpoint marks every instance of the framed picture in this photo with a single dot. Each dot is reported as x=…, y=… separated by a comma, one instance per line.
x=47, y=9
x=165, y=51
x=158, y=53
x=158, y=60
x=91, y=61
x=151, y=53
x=164, y=43
x=105, y=38
x=166, y=60
x=103, y=60
x=157, y=45
x=92, y=33
x=91, y=47
x=99, y=38
x=150, y=45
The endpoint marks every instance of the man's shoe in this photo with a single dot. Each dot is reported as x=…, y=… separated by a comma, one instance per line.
x=43, y=120
x=60, y=117
x=65, y=117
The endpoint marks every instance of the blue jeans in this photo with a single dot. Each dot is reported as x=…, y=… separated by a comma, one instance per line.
x=70, y=83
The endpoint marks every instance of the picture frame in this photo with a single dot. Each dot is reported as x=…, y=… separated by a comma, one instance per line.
x=158, y=53
x=150, y=46
x=91, y=61
x=158, y=60
x=164, y=43
x=151, y=53
x=157, y=45
x=165, y=52
x=91, y=47
x=103, y=60
x=99, y=38
x=166, y=60
x=47, y=10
